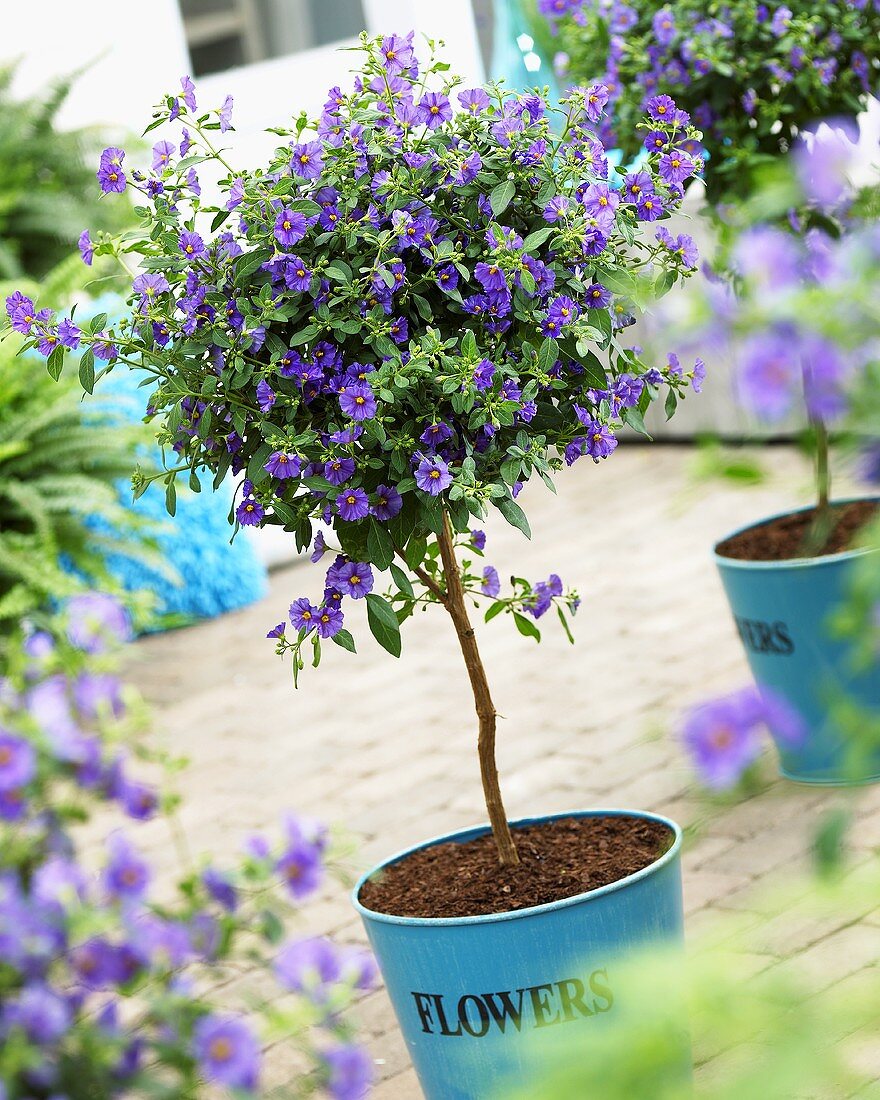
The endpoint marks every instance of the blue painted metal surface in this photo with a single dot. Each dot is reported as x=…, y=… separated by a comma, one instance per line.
x=495, y=1003
x=782, y=609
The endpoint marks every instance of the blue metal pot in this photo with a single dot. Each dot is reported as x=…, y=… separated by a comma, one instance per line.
x=490, y=1005
x=782, y=611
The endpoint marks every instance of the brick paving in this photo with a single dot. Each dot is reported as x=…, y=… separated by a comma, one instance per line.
x=385, y=748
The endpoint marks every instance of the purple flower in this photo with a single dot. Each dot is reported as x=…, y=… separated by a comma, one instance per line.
x=297, y=276
x=781, y=20
x=354, y=578
x=303, y=614
x=41, y=1013
x=722, y=738
x=330, y=621
x=398, y=54
x=447, y=277
x=220, y=889
x=598, y=296
x=649, y=208
x=434, y=109
x=191, y=244
x=290, y=227
x=110, y=175
x=595, y=101
x=69, y=334
x=311, y=966
x=18, y=762
x=300, y=864
x=338, y=470
x=599, y=441
x=138, y=800
x=432, y=475
x=265, y=395
x=227, y=1051
x=126, y=875
x=250, y=512
x=86, y=248
x=189, y=92
x=306, y=160
x=600, y=199
x=388, y=502
x=435, y=434
x=352, y=505
x=97, y=621
x=149, y=285
x=676, y=166
x=663, y=25
x=663, y=109
x=226, y=115
x=97, y=692
x=358, y=401
x=474, y=100
x=824, y=161
x=350, y=1072
x=163, y=151
x=770, y=374
x=283, y=465
x=399, y=330
x=824, y=374
x=490, y=584
x=484, y=375
x=478, y=538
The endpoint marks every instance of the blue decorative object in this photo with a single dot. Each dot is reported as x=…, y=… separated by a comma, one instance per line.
x=476, y=997
x=516, y=57
x=782, y=611
x=207, y=575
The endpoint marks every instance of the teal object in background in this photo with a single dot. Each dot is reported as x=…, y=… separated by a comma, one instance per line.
x=459, y=985
x=516, y=56
x=782, y=611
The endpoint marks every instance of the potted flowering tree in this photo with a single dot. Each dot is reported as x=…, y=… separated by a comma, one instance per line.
x=751, y=75
x=410, y=312
x=800, y=323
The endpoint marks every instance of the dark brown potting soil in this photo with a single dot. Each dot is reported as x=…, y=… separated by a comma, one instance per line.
x=558, y=859
x=788, y=536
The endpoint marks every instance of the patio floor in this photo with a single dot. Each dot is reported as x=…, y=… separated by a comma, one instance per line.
x=386, y=748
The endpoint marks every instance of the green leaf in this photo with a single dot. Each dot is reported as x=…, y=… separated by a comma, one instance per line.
x=249, y=263
x=402, y=581
x=514, y=515
x=344, y=639
x=55, y=362
x=87, y=370
x=526, y=626
x=500, y=196
x=548, y=355
x=635, y=420
x=538, y=237
x=170, y=498
x=494, y=610
x=671, y=404
x=565, y=625
x=383, y=623
x=380, y=548
x=339, y=271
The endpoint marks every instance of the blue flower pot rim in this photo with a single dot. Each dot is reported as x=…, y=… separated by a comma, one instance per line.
x=668, y=856
x=792, y=563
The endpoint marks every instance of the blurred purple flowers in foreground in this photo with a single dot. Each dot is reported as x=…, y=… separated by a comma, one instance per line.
x=723, y=736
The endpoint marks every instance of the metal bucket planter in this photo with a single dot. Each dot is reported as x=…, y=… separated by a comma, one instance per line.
x=489, y=1005
x=782, y=609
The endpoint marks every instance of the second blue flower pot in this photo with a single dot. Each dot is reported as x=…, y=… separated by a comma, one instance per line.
x=782, y=611
x=492, y=1005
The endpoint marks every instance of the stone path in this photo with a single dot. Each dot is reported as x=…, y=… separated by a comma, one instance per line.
x=386, y=748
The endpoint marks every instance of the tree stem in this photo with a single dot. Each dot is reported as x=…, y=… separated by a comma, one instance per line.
x=820, y=529
x=456, y=606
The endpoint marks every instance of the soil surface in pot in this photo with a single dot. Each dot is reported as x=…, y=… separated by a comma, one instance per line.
x=558, y=859
x=786, y=537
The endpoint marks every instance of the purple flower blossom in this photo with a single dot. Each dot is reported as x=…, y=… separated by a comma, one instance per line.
x=250, y=512
x=191, y=244
x=41, y=1013
x=598, y=296
x=478, y=539
x=432, y=475
x=595, y=101
x=69, y=334
x=338, y=470
x=86, y=248
x=303, y=614
x=283, y=465
x=189, y=92
x=306, y=160
x=649, y=208
x=110, y=174
x=358, y=401
x=266, y=396
x=163, y=151
x=676, y=166
x=126, y=875
x=297, y=275
x=352, y=505
x=225, y=115
x=290, y=227
x=490, y=584
x=434, y=109
x=474, y=100
x=387, y=504
x=484, y=375
x=300, y=864
x=97, y=621
x=769, y=374
x=330, y=621
x=18, y=762
x=350, y=1072
x=227, y=1051
x=355, y=579
x=663, y=109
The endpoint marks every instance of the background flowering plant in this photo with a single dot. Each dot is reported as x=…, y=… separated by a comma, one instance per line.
x=751, y=75
x=406, y=315
x=108, y=986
